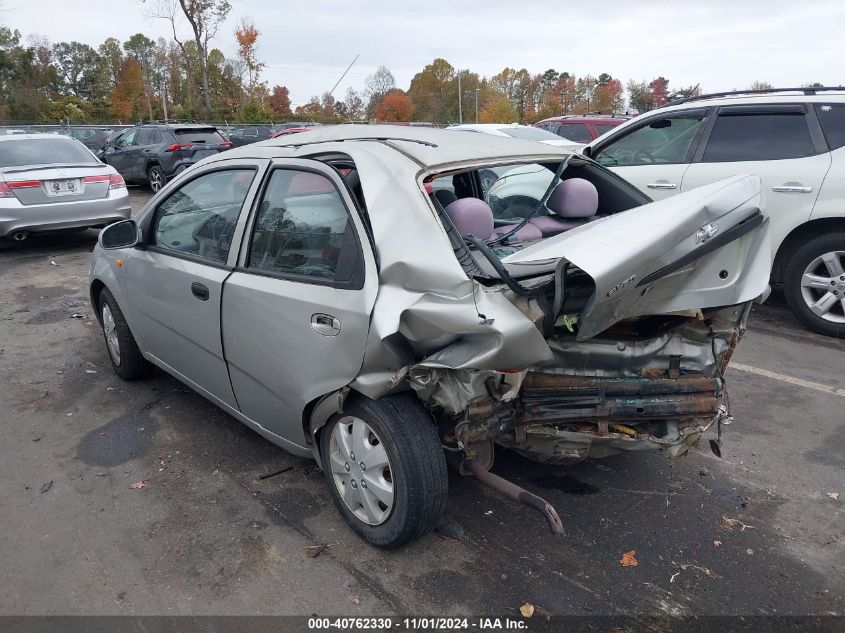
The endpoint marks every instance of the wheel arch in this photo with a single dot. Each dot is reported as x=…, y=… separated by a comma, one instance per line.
x=94, y=291
x=798, y=236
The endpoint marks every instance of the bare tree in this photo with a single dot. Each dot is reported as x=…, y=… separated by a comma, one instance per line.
x=204, y=17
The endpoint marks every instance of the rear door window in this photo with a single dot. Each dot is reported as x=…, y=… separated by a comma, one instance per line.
x=603, y=128
x=303, y=230
x=758, y=136
x=832, y=119
x=143, y=136
x=577, y=132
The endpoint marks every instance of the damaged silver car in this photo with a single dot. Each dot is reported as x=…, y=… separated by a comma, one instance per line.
x=380, y=298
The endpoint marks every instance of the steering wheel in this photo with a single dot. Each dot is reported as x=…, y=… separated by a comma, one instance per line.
x=645, y=154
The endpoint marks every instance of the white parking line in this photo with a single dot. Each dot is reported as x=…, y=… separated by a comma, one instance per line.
x=792, y=381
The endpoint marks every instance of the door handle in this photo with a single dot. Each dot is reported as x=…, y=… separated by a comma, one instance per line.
x=662, y=185
x=792, y=189
x=325, y=324
x=200, y=291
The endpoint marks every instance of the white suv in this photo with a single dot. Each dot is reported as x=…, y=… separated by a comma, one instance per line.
x=794, y=140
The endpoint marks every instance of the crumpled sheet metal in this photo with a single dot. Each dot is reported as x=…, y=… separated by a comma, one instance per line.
x=427, y=310
x=455, y=389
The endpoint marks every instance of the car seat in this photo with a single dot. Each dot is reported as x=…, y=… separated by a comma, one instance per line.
x=472, y=216
x=573, y=202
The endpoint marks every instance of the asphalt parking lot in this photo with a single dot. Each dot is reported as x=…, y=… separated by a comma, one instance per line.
x=759, y=531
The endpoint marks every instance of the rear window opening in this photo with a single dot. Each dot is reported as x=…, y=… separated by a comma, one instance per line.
x=44, y=151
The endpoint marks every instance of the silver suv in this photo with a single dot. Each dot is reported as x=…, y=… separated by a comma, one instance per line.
x=794, y=140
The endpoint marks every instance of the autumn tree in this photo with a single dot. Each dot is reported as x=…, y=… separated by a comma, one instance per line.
x=660, y=91
x=395, y=106
x=129, y=90
x=431, y=89
x=279, y=100
x=205, y=18
x=497, y=109
x=378, y=84
x=246, y=36
x=354, y=107
x=142, y=49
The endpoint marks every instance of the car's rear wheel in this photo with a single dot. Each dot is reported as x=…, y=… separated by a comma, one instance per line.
x=126, y=359
x=156, y=178
x=385, y=467
x=814, y=284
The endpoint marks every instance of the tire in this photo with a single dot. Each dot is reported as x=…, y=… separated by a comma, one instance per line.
x=156, y=178
x=126, y=359
x=413, y=483
x=814, y=284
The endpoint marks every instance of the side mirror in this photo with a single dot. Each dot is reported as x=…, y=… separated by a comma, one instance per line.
x=123, y=234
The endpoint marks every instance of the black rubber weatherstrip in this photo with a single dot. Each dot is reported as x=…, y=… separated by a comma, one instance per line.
x=732, y=234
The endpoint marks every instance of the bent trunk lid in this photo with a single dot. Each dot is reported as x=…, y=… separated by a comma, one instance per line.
x=706, y=248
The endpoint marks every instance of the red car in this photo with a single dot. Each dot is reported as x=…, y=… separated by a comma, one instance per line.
x=582, y=128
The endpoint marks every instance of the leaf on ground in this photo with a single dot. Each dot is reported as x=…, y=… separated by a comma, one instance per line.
x=139, y=484
x=527, y=610
x=46, y=486
x=833, y=495
x=629, y=559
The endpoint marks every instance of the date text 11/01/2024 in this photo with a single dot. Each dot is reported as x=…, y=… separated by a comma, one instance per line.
x=416, y=624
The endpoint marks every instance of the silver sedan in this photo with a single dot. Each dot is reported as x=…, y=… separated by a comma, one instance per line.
x=379, y=297
x=50, y=182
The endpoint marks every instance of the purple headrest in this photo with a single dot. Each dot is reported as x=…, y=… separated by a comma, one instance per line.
x=574, y=198
x=471, y=216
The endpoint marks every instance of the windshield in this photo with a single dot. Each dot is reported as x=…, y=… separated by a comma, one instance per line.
x=530, y=133
x=44, y=151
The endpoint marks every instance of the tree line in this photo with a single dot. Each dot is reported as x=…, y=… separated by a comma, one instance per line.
x=185, y=77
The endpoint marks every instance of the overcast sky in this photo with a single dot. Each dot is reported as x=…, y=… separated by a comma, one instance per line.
x=722, y=44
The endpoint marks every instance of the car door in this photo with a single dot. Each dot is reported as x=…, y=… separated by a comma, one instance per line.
x=118, y=157
x=653, y=155
x=136, y=155
x=296, y=310
x=174, y=281
x=783, y=144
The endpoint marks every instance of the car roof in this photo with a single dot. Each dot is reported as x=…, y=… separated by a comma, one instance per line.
x=588, y=117
x=426, y=146
x=755, y=99
x=35, y=135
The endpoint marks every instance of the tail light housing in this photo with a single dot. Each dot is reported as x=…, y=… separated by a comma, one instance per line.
x=115, y=180
x=5, y=190
x=179, y=146
x=226, y=145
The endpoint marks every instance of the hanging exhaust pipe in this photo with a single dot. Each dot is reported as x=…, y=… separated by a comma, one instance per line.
x=20, y=236
x=481, y=457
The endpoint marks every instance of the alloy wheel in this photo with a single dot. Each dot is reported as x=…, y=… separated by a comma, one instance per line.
x=110, y=331
x=156, y=180
x=361, y=470
x=823, y=286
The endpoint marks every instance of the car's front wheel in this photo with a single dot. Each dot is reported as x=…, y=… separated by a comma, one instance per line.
x=126, y=359
x=385, y=467
x=814, y=284
x=156, y=178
